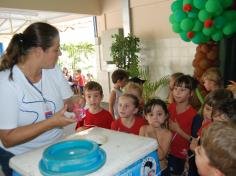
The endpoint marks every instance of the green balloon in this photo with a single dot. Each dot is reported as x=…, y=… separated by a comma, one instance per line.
x=187, y=2
x=172, y=18
x=217, y=36
x=208, y=31
x=176, y=27
x=212, y=6
x=186, y=24
x=199, y=38
x=193, y=13
x=179, y=15
x=230, y=28
x=218, y=12
x=184, y=37
x=199, y=4
x=229, y=15
x=204, y=15
x=219, y=22
x=227, y=3
x=177, y=5
x=198, y=25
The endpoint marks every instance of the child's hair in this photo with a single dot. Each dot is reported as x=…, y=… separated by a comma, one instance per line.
x=133, y=97
x=78, y=71
x=92, y=85
x=188, y=81
x=119, y=74
x=227, y=108
x=135, y=86
x=219, y=143
x=213, y=74
x=218, y=96
x=176, y=75
x=156, y=102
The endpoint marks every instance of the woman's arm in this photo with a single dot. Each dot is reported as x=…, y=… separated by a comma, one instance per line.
x=19, y=135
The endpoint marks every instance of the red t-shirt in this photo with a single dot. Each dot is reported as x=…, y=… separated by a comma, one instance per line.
x=179, y=145
x=102, y=119
x=138, y=123
x=205, y=125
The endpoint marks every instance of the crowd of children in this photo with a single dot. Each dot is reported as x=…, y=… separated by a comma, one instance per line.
x=186, y=136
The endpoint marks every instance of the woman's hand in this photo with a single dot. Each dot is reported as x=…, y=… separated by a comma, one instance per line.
x=60, y=120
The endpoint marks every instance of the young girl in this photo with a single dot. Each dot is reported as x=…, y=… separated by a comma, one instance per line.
x=212, y=79
x=181, y=118
x=128, y=121
x=135, y=89
x=156, y=113
x=172, y=79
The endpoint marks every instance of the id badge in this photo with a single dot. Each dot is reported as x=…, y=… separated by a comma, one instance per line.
x=47, y=110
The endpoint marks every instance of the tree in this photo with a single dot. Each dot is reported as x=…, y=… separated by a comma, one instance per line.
x=78, y=52
x=124, y=53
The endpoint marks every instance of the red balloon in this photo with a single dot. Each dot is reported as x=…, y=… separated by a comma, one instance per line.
x=190, y=35
x=187, y=8
x=208, y=23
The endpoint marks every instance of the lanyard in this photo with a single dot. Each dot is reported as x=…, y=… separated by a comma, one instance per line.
x=39, y=91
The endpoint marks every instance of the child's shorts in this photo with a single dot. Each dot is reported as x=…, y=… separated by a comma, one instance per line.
x=175, y=165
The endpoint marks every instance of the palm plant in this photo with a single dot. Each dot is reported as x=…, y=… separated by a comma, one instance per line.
x=151, y=88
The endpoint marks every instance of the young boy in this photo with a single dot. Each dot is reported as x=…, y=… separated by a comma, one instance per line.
x=216, y=154
x=95, y=114
x=119, y=78
x=181, y=118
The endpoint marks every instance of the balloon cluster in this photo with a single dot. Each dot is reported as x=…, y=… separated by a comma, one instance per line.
x=201, y=21
x=206, y=56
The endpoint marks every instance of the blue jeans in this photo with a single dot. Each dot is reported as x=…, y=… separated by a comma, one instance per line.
x=5, y=156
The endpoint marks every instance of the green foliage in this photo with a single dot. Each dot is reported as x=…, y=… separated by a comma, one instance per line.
x=124, y=53
x=151, y=88
x=78, y=51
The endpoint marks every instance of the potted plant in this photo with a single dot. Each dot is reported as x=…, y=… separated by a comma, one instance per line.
x=124, y=51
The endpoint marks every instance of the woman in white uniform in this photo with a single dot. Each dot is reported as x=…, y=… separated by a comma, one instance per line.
x=34, y=94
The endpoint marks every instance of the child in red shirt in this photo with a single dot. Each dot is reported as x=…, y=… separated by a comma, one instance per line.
x=181, y=118
x=95, y=114
x=128, y=121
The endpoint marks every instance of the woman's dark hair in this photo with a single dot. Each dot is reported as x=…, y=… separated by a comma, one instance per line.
x=38, y=34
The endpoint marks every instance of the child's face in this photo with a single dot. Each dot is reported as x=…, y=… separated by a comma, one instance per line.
x=126, y=108
x=208, y=84
x=181, y=94
x=122, y=83
x=156, y=117
x=202, y=162
x=93, y=98
x=207, y=111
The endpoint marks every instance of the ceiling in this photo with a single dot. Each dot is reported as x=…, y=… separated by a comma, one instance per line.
x=15, y=20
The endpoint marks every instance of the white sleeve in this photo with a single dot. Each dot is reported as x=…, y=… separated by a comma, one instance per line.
x=8, y=105
x=63, y=84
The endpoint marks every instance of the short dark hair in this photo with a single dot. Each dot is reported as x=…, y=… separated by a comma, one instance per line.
x=217, y=97
x=119, y=74
x=93, y=85
x=227, y=108
x=219, y=143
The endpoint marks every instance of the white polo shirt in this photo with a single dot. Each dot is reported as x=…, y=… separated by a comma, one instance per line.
x=21, y=104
